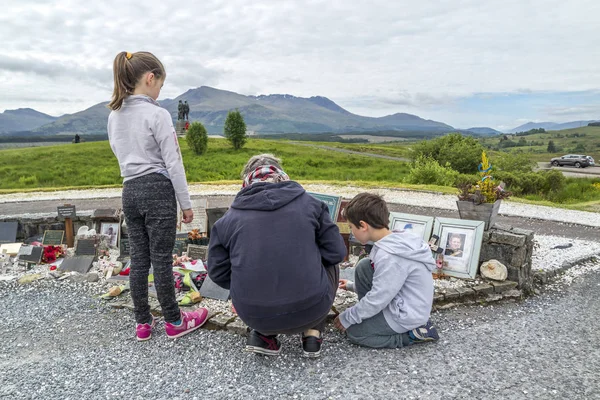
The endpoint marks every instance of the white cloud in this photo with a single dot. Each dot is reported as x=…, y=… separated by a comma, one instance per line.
x=373, y=57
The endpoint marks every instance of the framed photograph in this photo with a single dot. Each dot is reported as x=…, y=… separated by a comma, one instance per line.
x=332, y=202
x=420, y=225
x=461, y=240
x=110, y=229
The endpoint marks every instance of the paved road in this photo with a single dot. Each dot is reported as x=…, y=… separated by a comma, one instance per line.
x=542, y=227
x=56, y=342
x=572, y=172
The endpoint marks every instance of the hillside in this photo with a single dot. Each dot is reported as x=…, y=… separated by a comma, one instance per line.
x=584, y=140
x=265, y=114
x=23, y=119
x=550, y=126
x=91, y=121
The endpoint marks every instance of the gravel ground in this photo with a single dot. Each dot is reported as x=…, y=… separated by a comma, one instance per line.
x=547, y=256
x=56, y=342
x=406, y=197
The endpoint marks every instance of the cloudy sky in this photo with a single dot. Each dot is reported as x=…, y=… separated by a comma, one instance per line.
x=465, y=63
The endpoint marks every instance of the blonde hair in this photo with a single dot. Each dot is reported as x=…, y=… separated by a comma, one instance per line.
x=128, y=69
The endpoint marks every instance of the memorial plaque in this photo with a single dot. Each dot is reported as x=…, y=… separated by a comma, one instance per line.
x=106, y=213
x=31, y=254
x=66, y=211
x=211, y=290
x=8, y=232
x=180, y=240
x=341, y=220
x=213, y=215
x=124, y=248
x=199, y=207
x=53, y=238
x=333, y=203
x=81, y=264
x=86, y=247
x=196, y=252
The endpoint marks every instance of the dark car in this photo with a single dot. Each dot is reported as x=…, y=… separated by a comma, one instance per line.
x=575, y=160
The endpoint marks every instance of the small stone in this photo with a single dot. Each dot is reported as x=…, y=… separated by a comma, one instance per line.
x=500, y=287
x=92, y=277
x=494, y=269
x=29, y=278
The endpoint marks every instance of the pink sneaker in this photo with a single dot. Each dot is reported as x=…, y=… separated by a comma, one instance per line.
x=144, y=331
x=190, y=322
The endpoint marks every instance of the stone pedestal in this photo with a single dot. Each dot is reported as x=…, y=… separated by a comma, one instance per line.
x=513, y=247
x=180, y=127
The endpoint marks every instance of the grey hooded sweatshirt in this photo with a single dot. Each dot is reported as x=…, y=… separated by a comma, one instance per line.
x=142, y=136
x=402, y=284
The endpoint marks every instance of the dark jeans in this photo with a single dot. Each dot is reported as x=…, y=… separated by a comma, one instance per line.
x=333, y=273
x=150, y=211
x=375, y=331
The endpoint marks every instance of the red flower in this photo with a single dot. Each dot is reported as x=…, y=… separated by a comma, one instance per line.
x=51, y=253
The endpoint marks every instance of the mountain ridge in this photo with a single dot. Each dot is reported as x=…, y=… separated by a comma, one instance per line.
x=263, y=114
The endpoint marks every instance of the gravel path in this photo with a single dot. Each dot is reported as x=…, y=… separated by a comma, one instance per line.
x=10, y=204
x=56, y=342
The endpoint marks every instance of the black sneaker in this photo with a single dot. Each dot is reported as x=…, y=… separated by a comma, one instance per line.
x=262, y=344
x=424, y=333
x=311, y=345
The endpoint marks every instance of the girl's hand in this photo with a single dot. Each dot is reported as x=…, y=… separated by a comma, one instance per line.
x=188, y=216
x=342, y=284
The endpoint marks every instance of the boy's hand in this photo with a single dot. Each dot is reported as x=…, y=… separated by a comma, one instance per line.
x=188, y=216
x=338, y=324
x=342, y=284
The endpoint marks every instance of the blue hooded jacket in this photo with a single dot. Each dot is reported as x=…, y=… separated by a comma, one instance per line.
x=271, y=249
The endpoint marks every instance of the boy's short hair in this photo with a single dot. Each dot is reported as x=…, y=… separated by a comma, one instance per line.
x=370, y=208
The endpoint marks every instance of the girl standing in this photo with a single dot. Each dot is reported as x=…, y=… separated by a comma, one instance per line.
x=142, y=138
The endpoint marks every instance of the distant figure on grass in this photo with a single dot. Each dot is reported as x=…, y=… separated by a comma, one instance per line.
x=77, y=138
x=277, y=250
x=142, y=136
x=394, y=286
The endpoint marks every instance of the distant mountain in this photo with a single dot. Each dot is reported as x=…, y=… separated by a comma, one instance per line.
x=91, y=121
x=550, y=126
x=484, y=131
x=23, y=119
x=265, y=114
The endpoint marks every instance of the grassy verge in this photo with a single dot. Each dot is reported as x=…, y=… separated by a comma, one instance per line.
x=94, y=165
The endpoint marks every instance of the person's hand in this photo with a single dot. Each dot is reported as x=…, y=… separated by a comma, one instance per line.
x=338, y=324
x=342, y=284
x=188, y=216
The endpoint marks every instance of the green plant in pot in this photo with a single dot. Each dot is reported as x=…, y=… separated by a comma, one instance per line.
x=480, y=200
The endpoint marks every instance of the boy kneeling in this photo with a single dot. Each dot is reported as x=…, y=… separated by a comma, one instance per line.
x=394, y=286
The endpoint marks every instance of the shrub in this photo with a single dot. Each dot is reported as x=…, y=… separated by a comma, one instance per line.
x=515, y=162
x=427, y=171
x=197, y=138
x=235, y=129
x=461, y=153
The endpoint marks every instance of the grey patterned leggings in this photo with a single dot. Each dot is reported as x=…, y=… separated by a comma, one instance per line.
x=150, y=211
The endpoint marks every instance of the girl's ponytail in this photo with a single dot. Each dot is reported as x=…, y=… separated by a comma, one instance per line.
x=128, y=68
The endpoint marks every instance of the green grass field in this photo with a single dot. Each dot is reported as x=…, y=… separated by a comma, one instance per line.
x=93, y=164
x=564, y=140
x=396, y=149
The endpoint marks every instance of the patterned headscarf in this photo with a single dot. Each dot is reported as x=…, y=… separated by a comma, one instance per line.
x=265, y=173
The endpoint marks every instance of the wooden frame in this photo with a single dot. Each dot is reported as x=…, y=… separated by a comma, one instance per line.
x=461, y=240
x=105, y=227
x=419, y=224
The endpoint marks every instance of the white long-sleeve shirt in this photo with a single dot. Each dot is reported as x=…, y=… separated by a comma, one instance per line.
x=143, y=139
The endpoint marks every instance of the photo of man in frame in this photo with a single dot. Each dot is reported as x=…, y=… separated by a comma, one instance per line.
x=455, y=244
